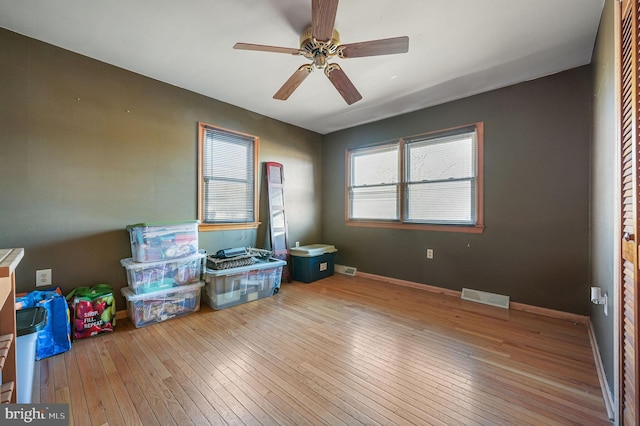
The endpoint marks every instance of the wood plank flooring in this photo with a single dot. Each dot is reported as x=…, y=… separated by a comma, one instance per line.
x=343, y=350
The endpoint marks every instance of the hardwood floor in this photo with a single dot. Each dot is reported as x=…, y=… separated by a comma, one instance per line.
x=343, y=350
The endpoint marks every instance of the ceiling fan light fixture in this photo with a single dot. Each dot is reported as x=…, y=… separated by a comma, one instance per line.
x=320, y=61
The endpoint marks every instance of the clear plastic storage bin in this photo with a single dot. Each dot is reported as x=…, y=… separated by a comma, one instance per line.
x=229, y=287
x=150, y=308
x=152, y=242
x=154, y=276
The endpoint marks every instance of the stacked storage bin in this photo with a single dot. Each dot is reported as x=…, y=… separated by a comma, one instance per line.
x=164, y=271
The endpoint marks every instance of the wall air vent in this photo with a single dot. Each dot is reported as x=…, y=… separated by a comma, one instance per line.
x=346, y=270
x=492, y=299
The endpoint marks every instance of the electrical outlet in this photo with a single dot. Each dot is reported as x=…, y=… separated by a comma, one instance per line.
x=429, y=253
x=43, y=277
x=297, y=243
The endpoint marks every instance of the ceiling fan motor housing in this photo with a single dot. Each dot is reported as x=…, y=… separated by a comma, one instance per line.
x=317, y=50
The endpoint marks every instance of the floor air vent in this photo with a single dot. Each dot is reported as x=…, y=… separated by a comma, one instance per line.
x=346, y=270
x=497, y=300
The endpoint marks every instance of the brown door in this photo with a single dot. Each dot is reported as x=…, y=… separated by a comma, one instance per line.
x=630, y=145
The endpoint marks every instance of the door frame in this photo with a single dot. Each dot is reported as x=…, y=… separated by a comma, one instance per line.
x=617, y=226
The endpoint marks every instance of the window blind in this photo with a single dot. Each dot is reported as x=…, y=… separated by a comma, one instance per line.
x=429, y=179
x=441, y=179
x=373, y=192
x=228, y=174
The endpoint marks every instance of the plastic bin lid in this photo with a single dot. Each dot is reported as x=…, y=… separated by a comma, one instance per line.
x=312, y=250
x=30, y=320
x=258, y=265
x=128, y=293
x=182, y=222
x=129, y=263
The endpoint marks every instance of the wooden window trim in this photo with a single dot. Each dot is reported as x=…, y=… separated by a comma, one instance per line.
x=207, y=227
x=478, y=228
x=468, y=229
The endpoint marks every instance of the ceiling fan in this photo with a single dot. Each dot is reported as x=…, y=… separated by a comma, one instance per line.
x=320, y=43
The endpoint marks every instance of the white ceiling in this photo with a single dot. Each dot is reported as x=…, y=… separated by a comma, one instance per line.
x=456, y=48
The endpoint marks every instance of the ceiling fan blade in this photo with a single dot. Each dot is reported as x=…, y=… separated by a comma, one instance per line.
x=293, y=82
x=385, y=46
x=323, y=17
x=342, y=83
x=264, y=48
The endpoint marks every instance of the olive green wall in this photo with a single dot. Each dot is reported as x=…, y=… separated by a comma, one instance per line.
x=603, y=184
x=88, y=148
x=535, y=247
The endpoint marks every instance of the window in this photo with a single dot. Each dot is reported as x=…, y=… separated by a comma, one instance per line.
x=429, y=181
x=374, y=188
x=227, y=179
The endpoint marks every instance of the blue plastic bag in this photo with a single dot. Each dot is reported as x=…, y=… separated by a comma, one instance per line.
x=55, y=337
